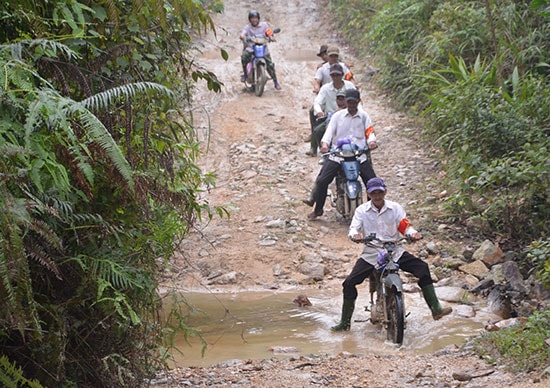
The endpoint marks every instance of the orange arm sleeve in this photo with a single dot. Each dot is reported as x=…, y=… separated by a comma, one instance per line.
x=368, y=132
x=403, y=225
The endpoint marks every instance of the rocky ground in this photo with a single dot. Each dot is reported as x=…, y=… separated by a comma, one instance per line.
x=256, y=147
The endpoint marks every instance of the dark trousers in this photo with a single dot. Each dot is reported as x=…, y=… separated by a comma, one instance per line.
x=329, y=170
x=407, y=263
x=247, y=56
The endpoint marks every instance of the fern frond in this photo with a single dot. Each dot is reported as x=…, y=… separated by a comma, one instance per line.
x=48, y=46
x=103, y=100
x=11, y=375
x=38, y=254
x=100, y=134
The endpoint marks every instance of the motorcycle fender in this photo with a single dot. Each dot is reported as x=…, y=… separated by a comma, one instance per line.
x=353, y=189
x=259, y=51
x=394, y=280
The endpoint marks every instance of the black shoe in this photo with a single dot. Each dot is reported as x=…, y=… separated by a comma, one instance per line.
x=313, y=215
x=309, y=202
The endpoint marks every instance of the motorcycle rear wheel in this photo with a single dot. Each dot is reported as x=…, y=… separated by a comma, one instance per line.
x=260, y=80
x=396, y=316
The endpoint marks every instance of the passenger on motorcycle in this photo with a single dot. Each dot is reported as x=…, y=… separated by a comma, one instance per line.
x=353, y=124
x=249, y=31
x=388, y=220
x=322, y=75
x=323, y=55
x=325, y=104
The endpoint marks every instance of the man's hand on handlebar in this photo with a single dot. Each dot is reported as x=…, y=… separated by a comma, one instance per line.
x=416, y=236
x=360, y=238
x=324, y=148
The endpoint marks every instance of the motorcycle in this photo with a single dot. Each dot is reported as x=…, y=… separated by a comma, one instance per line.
x=256, y=73
x=389, y=307
x=348, y=193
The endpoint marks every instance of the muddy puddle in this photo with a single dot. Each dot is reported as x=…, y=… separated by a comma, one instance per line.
x=264, y=324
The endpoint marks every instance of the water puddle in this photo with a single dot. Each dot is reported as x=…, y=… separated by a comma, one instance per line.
x=257, y=325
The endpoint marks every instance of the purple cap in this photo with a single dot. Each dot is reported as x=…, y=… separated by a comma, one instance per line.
x=375, y=184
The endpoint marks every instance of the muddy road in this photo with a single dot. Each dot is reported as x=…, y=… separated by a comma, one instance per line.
x=256, y=146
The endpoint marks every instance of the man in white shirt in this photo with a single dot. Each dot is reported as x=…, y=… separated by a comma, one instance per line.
x=388, y=221
x=322, y=75
x=326, y=103
x=353, y=124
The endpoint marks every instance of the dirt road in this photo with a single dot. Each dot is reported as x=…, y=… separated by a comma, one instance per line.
x=256, y=147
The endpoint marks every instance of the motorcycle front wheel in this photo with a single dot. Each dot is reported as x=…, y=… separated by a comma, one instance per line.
x=260, y=80
x=396, y=316
x=351, y=205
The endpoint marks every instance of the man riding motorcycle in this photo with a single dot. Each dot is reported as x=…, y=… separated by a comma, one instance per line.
x=251, y=30
x=353, y=124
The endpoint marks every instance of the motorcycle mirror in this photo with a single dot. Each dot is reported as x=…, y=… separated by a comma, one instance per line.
x=277, y=30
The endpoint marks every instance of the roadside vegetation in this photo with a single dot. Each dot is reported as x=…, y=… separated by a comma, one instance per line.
x=478, y=73
x=524, y=348
x=98, y=183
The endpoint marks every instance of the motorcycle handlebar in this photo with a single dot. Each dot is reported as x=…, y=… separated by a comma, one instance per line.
x=253, y=39
x=372, y=237
x=338, y=152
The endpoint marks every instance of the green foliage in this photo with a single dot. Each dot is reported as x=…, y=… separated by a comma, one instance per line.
x=98, y=182
x=478, y=72
x=500, y=143
x=538, y=254
x=522, y=347
x=12, y=377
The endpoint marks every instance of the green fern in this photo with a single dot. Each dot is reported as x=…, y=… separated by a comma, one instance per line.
x=11, y=376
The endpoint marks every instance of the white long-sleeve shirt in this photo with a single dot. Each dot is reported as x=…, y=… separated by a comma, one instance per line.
x=325, y=101
x=389, y=224
x=323, y=73
x=343, y=125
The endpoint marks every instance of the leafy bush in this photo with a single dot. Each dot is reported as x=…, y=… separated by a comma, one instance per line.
x=478, y=73
x=98, y=183
x=522, y=347
x=499, y=143
x=538, y=254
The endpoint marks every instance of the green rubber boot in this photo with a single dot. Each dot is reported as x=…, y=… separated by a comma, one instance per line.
x=347, y=311
x=430, y=297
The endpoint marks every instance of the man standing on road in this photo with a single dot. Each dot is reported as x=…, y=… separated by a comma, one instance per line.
x=388, y=221
x=353, y=124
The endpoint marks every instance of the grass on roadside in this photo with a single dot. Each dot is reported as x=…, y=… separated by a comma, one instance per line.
x=522, y=348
